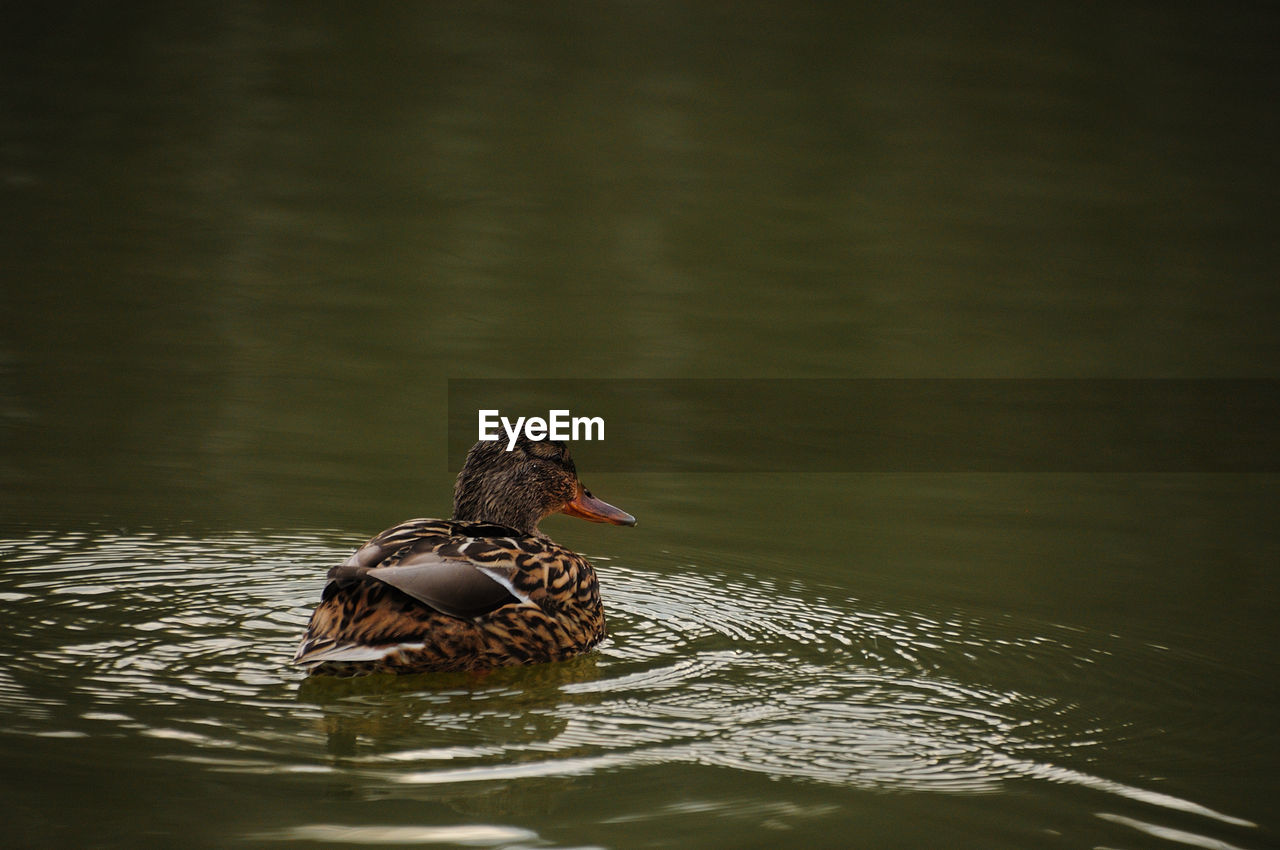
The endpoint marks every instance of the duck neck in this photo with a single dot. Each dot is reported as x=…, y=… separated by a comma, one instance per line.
x=470, y=506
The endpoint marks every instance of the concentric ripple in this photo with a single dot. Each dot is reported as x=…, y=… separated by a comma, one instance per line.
x=184, y=642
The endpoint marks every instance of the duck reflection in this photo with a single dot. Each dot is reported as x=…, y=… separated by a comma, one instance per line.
x=447, y=717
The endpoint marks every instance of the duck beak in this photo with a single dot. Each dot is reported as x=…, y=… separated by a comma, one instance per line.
x=587, y=506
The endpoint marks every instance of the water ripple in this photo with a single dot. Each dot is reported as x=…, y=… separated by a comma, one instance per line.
x=184, y=643
x=468, y=835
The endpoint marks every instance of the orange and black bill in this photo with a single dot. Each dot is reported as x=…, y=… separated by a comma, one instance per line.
x=587, y=506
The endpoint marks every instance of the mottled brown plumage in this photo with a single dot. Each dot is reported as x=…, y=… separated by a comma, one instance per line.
x=484, y=589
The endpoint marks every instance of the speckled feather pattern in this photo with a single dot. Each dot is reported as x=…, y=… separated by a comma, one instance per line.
x=558, y=613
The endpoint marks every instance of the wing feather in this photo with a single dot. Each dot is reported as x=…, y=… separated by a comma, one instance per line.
x=348, y=652
x=451, y=586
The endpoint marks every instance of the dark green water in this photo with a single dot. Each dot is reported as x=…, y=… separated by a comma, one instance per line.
x=246, y=247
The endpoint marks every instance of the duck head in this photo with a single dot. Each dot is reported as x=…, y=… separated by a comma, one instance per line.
x=520, y=487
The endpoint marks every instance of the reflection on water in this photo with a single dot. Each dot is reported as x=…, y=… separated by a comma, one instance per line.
x=471, y=835
x=243, y=225
x=183, y=642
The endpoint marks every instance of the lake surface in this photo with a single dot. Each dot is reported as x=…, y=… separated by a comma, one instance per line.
x=247, y=249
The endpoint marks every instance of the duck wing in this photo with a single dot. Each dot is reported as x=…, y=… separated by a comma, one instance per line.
x=459, y=588
x=461, y=570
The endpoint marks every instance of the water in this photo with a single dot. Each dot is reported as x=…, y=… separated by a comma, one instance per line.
x=247, y=248
x=734, y=696
x=722, y=670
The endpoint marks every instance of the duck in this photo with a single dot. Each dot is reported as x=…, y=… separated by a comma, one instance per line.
x=483, y=589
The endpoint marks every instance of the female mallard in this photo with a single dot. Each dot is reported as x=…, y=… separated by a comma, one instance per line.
x=484, y=589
